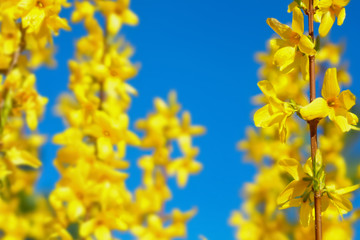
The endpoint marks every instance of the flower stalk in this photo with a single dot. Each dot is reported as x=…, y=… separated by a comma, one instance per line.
x=313, y=124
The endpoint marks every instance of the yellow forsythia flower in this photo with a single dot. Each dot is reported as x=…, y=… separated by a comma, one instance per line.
x=275, y=112
x=334, y=104
x=328, y=11
x=293, y=39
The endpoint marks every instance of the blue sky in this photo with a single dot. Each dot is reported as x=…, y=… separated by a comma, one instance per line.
x=203, y=49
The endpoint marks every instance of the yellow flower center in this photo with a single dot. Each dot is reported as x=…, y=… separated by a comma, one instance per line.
x=40, y=4
x=334, y=9
x=113, y=73
x=106, y=133
x=118, y=11
x=10, y=35
x=332, y=102
x=295, y=38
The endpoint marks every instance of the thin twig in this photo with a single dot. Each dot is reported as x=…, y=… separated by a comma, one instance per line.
x=313, y=124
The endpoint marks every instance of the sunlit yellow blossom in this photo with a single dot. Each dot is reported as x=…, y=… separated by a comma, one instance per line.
x=294, y=39
x=330, y=52
x=117, y=13
x=334, y=103
x=10, y=35
x=83, y=10
x=185, y=132
x=182, y=167
x=329, y=10
x=256, y=228
x=287, y=62
x=21, y=157
x=43, y=13
x=275, y=112
x=337, y=198
x=108, y=132
x=296, y=188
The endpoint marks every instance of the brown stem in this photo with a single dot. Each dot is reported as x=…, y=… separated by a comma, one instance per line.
x=313, y=124
x=17, y=53
x=6, y=101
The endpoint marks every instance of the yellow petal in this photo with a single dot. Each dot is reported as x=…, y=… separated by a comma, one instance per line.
x=195, y=167
x=87, y=228
x=283, y=130
x=306, y=45
x=327, y=22
x=325, y=3
x=20, y=157
x=341, y=3
x=292, y=6
x=283, y=30
x=121, y=149
x=341, y=17
x=284, y=57
x=292, y=166
x=34, y=19
x=56, y=23
x=346, y=190
x=160, y=105
x=267, y=88
x=184, y=142
x=130, y=17
x=102, y=232
x=70, y=136
x=339, y=117
x=154, y=222
x=352, y=119
x=304, y=67
x=343, y=204
x=318, y=16
x=182, y=177
x=305, y=214
x=278, y=106
x=262, y=116
x=293, y=190
x=330, y=88
x=325, y=201
x=316, y=109
x=197, y=130
x=347, y=99
x=132, y=138
x=31, y=119
x=104, y=147
x=296, y=202
x=308, y=166
x=75, y=210
x=298, y=21
x=114, y=24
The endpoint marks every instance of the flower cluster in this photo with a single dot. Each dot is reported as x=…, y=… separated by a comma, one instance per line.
x=288, y=175
x=26, y=31
x=92, y=199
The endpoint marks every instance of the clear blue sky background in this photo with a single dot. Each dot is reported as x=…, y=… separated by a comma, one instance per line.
x=204, y=49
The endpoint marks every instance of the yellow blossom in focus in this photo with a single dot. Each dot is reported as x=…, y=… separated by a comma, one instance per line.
x=43, y=13
x=275, y=112
x=294, y=40
x=298, y=192
x=328, y=11
x=334, y=103
x=337, y=198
